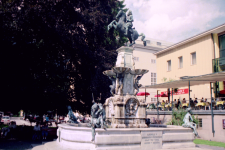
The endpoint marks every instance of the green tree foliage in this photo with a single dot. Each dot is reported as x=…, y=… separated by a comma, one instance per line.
x=53, y=53
x=178, y=116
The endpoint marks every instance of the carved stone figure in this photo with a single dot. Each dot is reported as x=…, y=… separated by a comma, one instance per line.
x=187, y=123
x=131, y=107
x=101, y=115
x=113, y=86
x=124, y=26
x=119, y=87
x=98, y=117
x=72, y=118
x=136, y=84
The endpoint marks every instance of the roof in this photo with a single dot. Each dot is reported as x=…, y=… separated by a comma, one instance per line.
x=217, y=29
x=148, y=47
x=194, y=80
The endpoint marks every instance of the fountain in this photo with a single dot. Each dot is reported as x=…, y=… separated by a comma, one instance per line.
x=125, y=111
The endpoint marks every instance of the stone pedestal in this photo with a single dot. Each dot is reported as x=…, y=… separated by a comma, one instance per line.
x=126, y=111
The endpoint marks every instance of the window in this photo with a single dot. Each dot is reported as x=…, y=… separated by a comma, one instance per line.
x=153, y=99
x=159, y=43
x=199, y=122
x=153, y=78
x=222, y=45
x=193, y=58
x=153, y=61
x=180, y=62
x=136, y=58
x=169, y=65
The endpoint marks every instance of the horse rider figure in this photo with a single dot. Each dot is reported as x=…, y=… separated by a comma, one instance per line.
x=129, y=20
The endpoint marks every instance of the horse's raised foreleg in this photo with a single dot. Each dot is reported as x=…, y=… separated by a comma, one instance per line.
x=112, y=24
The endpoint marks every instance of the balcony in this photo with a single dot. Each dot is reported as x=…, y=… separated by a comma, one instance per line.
x=218, y=64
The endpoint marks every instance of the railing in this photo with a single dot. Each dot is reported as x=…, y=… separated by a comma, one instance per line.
x=218, y=64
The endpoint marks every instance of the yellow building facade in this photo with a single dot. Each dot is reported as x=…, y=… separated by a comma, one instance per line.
x=198, y=55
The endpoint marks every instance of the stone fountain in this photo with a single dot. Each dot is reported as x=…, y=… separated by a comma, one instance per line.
x=124, y=109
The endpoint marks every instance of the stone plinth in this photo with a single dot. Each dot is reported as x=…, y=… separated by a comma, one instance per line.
x=172, y=137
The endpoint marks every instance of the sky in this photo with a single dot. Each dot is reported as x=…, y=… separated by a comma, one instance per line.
x=175, y=20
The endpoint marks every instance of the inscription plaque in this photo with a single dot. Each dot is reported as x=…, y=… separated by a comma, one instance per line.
x=151, y=140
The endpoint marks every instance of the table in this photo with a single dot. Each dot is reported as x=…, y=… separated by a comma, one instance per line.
x=220, y=103
x=185, y=104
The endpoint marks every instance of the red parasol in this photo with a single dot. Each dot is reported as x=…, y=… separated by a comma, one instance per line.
x=142, y=94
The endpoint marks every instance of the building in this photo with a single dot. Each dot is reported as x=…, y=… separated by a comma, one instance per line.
x=145, y=59
x=198, y=55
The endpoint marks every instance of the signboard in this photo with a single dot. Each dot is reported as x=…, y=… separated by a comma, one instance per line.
x=179, y=92
x=223, y=123
x=151, y=140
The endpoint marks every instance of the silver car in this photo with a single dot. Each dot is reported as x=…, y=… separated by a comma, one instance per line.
x=5, y=120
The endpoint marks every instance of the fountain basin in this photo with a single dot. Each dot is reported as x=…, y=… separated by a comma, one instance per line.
x=138, y=71
x=172, y=137
x=109, y=73
x=121, y=70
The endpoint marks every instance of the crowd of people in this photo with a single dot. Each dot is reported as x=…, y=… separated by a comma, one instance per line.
x=179, y=103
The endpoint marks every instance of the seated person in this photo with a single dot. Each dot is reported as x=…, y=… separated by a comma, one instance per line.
x=44, y=130
x=202, y=100
x=196, y=101
x=166, y=102
x=36, y=130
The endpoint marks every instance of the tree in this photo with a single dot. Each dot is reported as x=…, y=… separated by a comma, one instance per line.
x=53, y=53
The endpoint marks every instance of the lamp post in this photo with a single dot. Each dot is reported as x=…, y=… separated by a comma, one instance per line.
x=157, y=105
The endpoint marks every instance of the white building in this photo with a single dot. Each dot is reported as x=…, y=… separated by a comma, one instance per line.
x=145, y=59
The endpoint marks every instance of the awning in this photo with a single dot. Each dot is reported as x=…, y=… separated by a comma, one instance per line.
x=194, y=80
x=161, y=95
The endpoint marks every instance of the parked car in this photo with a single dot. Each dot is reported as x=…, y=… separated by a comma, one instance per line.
x=5, y=120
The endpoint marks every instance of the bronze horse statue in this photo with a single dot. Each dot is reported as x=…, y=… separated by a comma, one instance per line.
x=121, y=27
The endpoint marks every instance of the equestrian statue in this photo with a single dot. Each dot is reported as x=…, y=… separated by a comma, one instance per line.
x=124, y=26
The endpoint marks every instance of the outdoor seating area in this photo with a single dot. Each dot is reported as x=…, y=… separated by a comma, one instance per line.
x=197, y=104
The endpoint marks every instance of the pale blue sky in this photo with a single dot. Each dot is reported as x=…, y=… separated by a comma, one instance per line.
x=176, y=20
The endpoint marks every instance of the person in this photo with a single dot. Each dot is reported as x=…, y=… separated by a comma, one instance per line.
x=44, y=130
x=183, y=101
x=178, y=103
x=202, y=99
x=36, y=130
x=163, y=104
x=46, y=119
x=196, y=101
x=12, y=128
x=129, y=20
x=205, y=99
